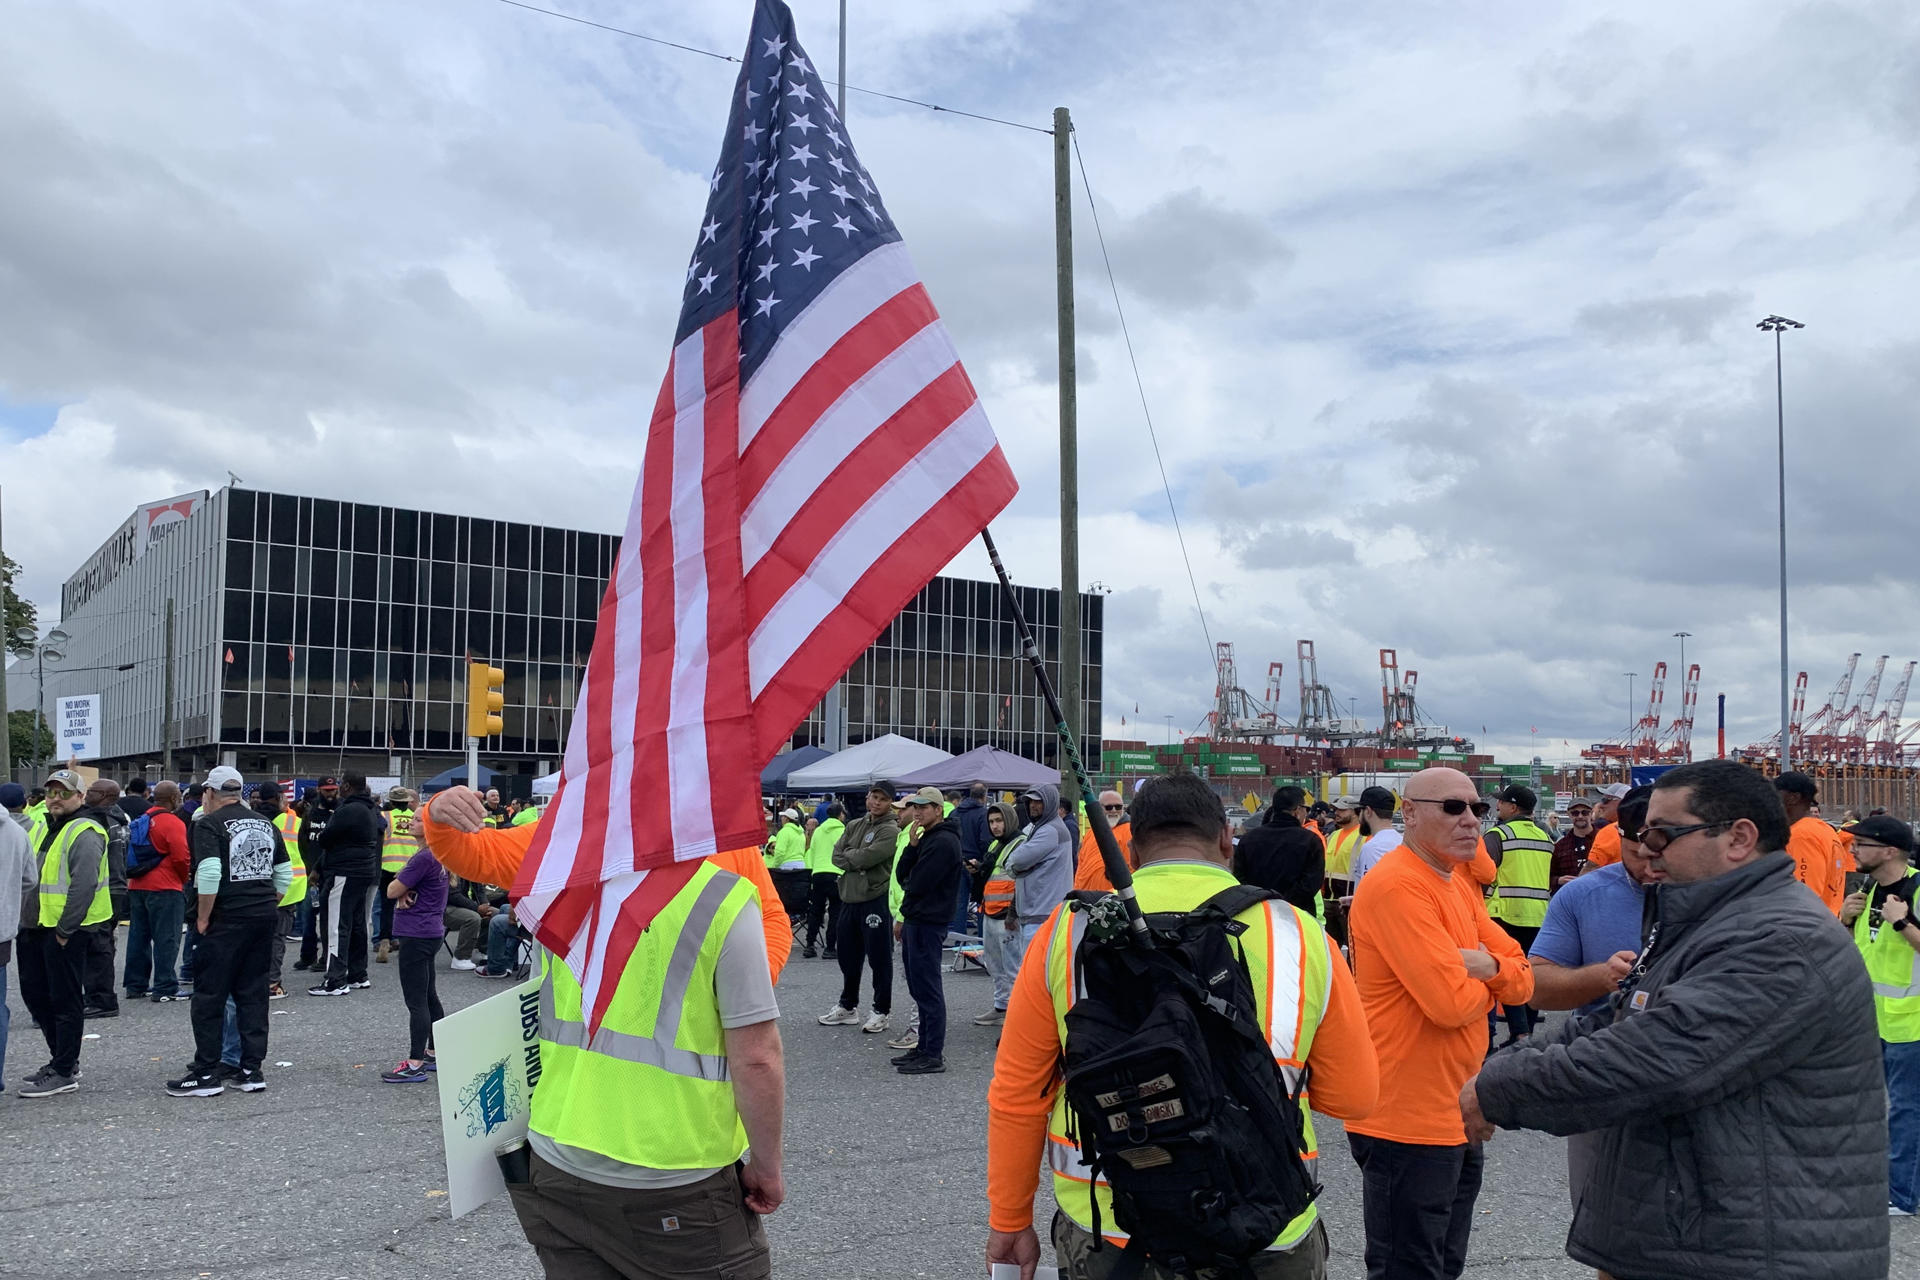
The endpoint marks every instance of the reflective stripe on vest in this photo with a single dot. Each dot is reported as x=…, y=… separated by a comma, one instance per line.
x=651, y=1086
x=1523, y=885
x=1341, y=846
x=1894, y=969
x=1292, y=973
x=399, y=846
x=55, y=876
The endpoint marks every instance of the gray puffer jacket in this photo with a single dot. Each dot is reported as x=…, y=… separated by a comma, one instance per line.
x=1042, y=868
x=1736, y=1091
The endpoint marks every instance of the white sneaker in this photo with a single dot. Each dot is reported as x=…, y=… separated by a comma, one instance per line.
x=876, y=1024
x=839, y=1016
x=1895, y=1211
x=463, y=964
x=908, y=1039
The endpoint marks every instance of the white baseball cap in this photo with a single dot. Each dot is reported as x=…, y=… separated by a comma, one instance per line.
x=226, y=778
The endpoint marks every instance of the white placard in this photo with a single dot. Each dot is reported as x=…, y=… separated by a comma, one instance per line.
x=76, y=727
x=1008, y=1271
x=489, y=1060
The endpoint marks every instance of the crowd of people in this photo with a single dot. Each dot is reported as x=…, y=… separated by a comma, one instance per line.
x=212, y=882
x=1737, y=1073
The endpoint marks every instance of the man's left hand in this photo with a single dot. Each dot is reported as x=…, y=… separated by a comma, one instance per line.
x=1477, y=1126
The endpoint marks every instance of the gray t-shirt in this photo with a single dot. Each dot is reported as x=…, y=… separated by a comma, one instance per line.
x=743, y=989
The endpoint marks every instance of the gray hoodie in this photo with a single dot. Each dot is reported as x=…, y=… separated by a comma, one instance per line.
x=19, y=880
x=1042, y=868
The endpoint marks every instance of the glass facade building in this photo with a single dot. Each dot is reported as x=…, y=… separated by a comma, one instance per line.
x=313, y=635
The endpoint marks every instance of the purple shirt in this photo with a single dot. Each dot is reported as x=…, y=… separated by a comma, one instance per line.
x=426, y=918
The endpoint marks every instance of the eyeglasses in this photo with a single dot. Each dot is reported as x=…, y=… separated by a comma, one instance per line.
x=1656, y=839
x=1453, y=807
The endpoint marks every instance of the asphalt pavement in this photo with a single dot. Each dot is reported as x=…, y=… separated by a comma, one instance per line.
x=330, y=1174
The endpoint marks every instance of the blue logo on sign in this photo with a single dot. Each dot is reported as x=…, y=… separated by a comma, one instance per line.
x=489, y=1100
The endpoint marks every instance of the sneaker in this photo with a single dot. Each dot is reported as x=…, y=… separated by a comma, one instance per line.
x=324, y=990
x=1893, y=1210
x=293, y=937
x=231, y=1073
x=465, y=966
x=303, y=966
x=175, y=998
x=922, y=1067
x=47, y=1070
x=829, y=954
x=432, y=1064
x=839, y=1016
x=47, y=1082
x=136, y=995
x=381, y=952
x=809, y=954
x=877, y=1023
x=908, y=1056
x=198, y=1084
x=276, y=992
x=100, y=1011
x=404, y=1074
x=991, y=1018
x=254, y=1081
x=908, y=1039
x=365, y=984
x=481, y=971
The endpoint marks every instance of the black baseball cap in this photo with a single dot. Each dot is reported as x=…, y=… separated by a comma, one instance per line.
x=1795, y=783
x=1884, y=830
x=1378, y=799
x=1515, y=794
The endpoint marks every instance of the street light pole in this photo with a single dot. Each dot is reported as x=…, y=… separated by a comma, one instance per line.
x=43, y=650
x=1776, y=325
x=1682, y=636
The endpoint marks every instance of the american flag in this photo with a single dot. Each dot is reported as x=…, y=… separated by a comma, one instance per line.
x=816, y=456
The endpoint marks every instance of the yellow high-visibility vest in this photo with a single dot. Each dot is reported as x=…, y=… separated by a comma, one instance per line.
x=1286, y=955
x=1894, y=969
x=651, y=1086
x=1521, y=890
x=55, y=879
x=288, y=824
x=399, y=845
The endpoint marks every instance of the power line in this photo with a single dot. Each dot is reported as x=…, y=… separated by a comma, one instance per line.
x=1145, y=412
x=723, y=57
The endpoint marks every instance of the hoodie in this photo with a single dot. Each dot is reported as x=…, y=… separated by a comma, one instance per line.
x=1284, y=858
x=929, y=872
x=351, y=840
x=1042, y=868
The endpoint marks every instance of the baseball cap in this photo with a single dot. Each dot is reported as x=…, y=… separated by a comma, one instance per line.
x=1612, y=791
x=68, y=779
x=328, y=782
x=225, y=778
x=266, y=790
x=1515, y=793
x=1795, y=783
x=12, y=796
x=927, y=795
x=1378, y=799
x=1885, y=830
x=1579, y=802
x=1346, y=802
x=791, y=815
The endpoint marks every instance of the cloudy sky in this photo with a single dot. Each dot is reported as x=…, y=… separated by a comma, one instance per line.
x=1445, y=313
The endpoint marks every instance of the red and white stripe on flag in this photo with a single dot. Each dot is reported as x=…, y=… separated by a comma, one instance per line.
x=777, y=527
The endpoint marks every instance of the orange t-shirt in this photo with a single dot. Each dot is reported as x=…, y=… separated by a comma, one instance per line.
x=1345, y=1077
x=1482, y=870
x=1605, y=850
x=1091, y=872
x=493, y=856
x=1407, y=926
x=1819, y=861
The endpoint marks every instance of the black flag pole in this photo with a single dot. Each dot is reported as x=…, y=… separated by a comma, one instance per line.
x=1118, y=873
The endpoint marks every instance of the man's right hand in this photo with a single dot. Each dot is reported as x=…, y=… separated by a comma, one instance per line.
x=1480, y=963
x=460, y=808
x=1850, y=909
x=1015, y=1249
x=766, y=1189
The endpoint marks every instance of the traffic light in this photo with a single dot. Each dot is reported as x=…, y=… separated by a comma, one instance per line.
x=485, y=697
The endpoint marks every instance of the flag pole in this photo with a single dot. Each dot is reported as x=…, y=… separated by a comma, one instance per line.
x=1118, y=874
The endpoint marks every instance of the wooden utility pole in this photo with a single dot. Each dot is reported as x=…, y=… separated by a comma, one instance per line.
x=1069, y=443
x=166, y=699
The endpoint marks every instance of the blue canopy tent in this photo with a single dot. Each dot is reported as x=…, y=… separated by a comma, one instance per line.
x=773, y=778
x=1000, y=770
x=457, y=777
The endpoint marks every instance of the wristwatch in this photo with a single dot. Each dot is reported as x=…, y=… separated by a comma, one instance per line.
x=1905, y=922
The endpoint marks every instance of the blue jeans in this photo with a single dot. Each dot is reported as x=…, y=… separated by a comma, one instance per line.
x=230, y=1037
x=154, y=917
x=1902, y=1062
x=503, y=943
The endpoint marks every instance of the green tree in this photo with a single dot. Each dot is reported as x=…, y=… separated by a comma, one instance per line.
x=20, y=748
x=17, y=612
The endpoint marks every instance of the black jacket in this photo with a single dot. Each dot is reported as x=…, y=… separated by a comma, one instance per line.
x=971, y=815
x=1282, y=856
x=313, y=825
x=1736, y=1088
x=929, y=872
x=351, y=841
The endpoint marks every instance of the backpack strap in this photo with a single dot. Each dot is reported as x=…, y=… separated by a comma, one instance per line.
x=1230, y=902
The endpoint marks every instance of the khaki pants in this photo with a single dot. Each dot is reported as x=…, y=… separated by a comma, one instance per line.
x=1073, y=1250
x=585, y=1231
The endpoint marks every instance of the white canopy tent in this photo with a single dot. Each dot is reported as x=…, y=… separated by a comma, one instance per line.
x=882, y=760
x=548, y=785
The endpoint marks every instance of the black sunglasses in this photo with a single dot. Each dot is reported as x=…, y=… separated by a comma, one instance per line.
x=1454, y=807
x=1113, y=808
x=1656, y=839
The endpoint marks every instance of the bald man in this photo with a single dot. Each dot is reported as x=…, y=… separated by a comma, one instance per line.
x=1429, y=965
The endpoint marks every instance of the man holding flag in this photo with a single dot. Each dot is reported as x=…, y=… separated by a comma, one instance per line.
x=817, y=454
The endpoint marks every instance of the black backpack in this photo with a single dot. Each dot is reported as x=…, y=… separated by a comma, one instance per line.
x=1174, y=1096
